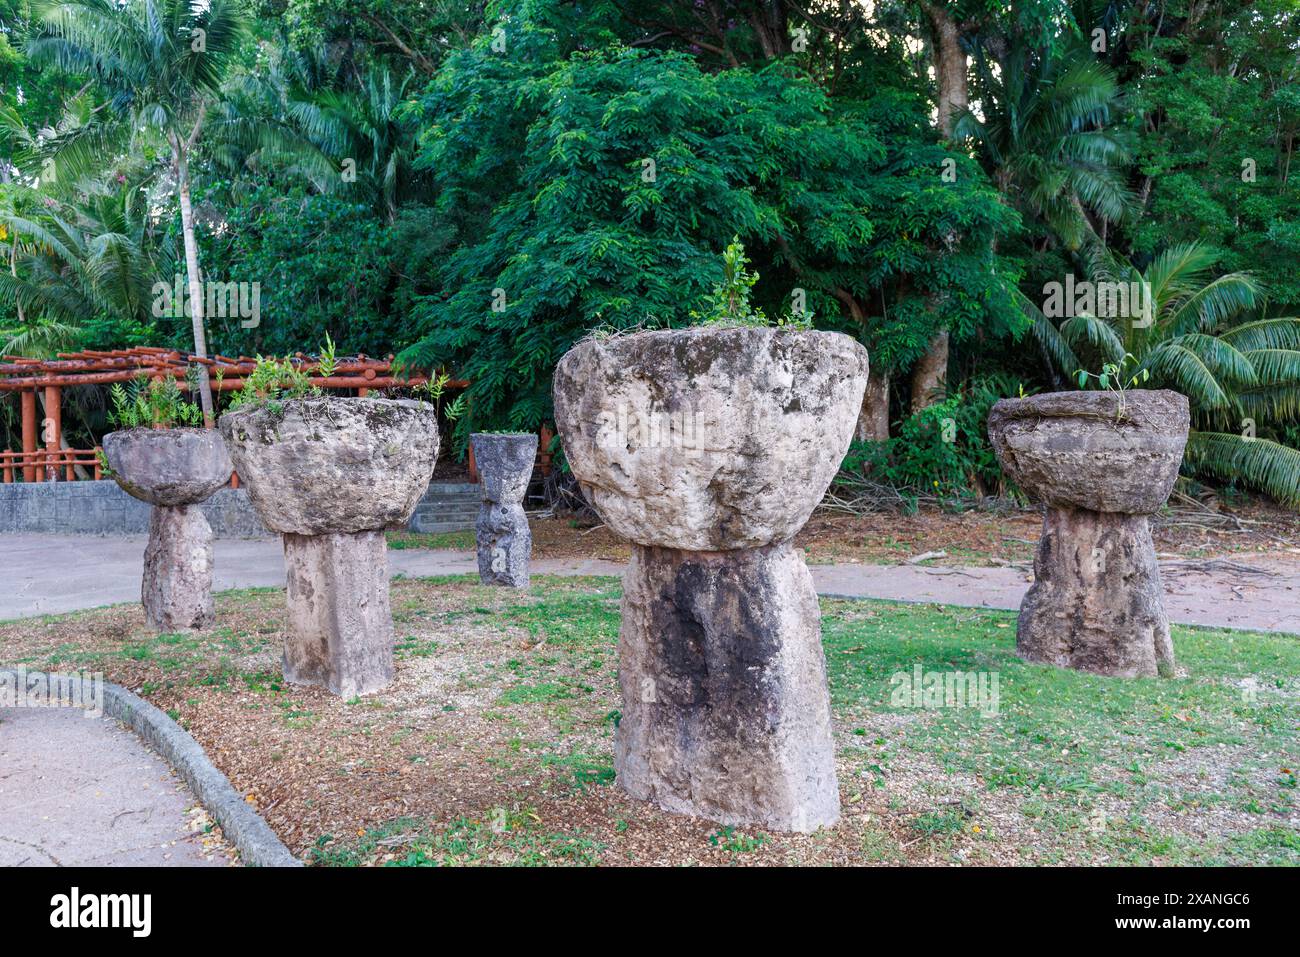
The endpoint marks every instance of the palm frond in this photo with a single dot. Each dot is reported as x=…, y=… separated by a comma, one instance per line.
x=1174, y=365
x=1048, y=336
x=1280, y=333
x=1215, y=303
x=1096, y=333
x=41, y=340
x=1257, y=463
x=1230, y=367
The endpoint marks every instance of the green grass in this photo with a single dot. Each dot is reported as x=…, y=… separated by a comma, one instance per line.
x=1069, y=744
x=1098, y=765
x=1091, y=768
x=462, y=540
x=502, y=837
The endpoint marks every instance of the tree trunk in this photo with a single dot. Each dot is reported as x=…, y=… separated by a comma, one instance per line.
x=195, y=284
x=873, y=420
x=931, y=372
x=949, y=67
x=770, y=21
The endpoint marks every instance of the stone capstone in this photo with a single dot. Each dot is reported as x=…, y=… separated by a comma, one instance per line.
x=321, y=465
x=709, y=438
x=176, y=590
x=168, y=466
x=1100, y=463
x=505, y=466
x=1079, y=449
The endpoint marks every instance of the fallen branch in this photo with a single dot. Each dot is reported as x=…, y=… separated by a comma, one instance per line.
x=925, y=557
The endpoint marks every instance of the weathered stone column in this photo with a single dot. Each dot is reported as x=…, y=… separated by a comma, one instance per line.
x=330, y=475
x=1100, y=464
x=708, y=449
x=505, y=465
x=173, y=470
x=340, y=619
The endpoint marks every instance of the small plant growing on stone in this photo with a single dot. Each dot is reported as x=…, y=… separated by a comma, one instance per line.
x=272, y=383
x=432, y=391
x=326, y=363
x=152, y=404
x=1112, y=377
x=729, y=304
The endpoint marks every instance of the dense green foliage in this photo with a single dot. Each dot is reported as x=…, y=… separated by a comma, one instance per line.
x=325, y=266
x=476, y=186
x=940, y=453
x=628, y=173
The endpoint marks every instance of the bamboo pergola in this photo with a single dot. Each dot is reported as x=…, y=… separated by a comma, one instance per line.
x=48, y=377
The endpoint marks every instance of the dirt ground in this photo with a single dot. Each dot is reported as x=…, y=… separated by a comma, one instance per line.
x=493, y=744
x=968, y=538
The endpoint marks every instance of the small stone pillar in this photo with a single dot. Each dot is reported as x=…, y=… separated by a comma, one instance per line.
x=330, y=475
x=1100, y=463
x=173, y=470
x=505, y=466
x=339, y=615
x=708, y=449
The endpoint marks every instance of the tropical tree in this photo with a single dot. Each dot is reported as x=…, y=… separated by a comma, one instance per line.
x=73, y=262
x=159, y=65
x=1189, y=334
x=1046, y=137
x=599, y=190
x=364, y=134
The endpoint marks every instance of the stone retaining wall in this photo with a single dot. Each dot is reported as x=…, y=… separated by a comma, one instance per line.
x=101, y=508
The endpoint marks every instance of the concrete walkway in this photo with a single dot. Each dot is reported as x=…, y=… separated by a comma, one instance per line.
x=44, y=574
x=78, y=790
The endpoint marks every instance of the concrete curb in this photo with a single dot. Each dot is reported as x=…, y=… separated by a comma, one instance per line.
x=253, y=838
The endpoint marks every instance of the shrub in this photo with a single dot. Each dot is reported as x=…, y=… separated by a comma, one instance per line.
x=941, y=451
x=156, y=403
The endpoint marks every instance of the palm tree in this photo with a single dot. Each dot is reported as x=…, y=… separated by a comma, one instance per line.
x=72, y=260
x=1192, y=338
x=1045, y=138
x=160, y=65
x=363, y=127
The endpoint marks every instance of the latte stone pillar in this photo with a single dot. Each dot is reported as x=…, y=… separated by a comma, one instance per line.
x=505, y=543
x=330, y=475
x=174, y=470
x=1100, y=463
x=708, y=448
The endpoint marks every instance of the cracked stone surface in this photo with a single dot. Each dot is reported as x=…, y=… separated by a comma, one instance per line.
x=709, y=438
x=330, y=475
x=1100, y=463
x=504, y=544
x=708, y=448
x=78, y=791
x=168, y=466
x=176, y=589
x=173, y=470
x=502, y=536
x=725, y=709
